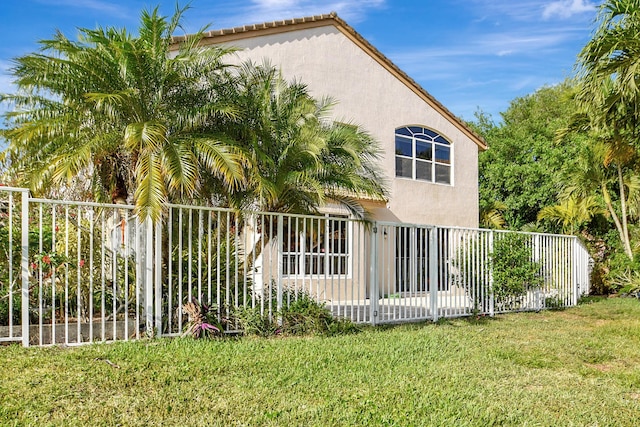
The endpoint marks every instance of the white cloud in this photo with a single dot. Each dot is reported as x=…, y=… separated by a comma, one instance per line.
x=567, y=8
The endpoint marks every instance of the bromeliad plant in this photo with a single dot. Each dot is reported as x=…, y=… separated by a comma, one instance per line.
x=202, y=323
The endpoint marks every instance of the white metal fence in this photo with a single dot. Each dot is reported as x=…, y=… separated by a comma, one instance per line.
x=77, y=272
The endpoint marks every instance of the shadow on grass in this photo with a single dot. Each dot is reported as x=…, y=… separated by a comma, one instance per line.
x=590, y=299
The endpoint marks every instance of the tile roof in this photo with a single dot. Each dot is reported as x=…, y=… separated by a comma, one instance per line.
x=285, y=25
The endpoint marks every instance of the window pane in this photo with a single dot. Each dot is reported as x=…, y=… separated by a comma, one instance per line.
x=403, y=167
x=429, y=133
x=443, y=154
x=443, y=174
x=403, y=146
x=423, y=150
x=403, y=131
x=423, y=170
x=441, y=140
x=416, y=129
x=338, y=237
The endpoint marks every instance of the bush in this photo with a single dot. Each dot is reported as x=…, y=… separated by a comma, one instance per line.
x=254, y=322
x=514, y=272
x=300, y=315
x=628, y=283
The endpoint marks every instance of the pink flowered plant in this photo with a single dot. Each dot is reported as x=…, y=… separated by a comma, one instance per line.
x=199, y=325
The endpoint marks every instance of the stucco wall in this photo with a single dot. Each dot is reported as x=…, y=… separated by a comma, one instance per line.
x=370, y=96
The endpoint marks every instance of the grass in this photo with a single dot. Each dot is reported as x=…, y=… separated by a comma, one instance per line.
x=578, y=367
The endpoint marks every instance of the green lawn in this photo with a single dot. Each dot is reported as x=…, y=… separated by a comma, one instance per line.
x=577, y=367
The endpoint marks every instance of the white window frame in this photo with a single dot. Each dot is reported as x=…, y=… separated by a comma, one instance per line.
x=301, y=253
x=423, y=136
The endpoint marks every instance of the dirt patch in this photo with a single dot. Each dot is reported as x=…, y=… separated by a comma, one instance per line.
x=601, y=367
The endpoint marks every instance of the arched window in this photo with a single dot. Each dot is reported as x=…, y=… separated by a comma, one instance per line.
x=423, y=154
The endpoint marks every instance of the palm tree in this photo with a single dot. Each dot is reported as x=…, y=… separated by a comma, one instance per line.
x=491, y=214
x=124, y=113
x=612, y=58
x=298, y=159
x=572, y=213
x=609, y=74
x=592, y=178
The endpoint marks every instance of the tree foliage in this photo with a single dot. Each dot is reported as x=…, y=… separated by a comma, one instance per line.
x=298, y=158
x=137, y=119
x=118, y=108
x=523, y=167
x=609, y=99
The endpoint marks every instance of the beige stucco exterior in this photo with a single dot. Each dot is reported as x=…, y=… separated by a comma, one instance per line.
x=332, y=62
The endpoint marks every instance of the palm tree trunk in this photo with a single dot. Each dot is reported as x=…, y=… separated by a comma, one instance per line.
x=616, y=220
x=623, y=208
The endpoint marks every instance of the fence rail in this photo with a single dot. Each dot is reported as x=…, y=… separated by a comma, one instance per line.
x=78, y=272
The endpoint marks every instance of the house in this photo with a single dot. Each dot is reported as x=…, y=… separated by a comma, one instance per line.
x=430, y=157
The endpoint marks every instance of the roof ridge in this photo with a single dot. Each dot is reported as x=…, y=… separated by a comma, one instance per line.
x=263, y=26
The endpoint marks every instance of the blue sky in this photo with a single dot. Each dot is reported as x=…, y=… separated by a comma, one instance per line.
x=469, y=54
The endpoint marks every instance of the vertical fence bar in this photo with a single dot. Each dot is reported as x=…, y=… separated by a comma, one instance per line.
x=157, y=278
x=236, y=261
x=490, y=290
x=433, y=271
x=373, y=273
x=148, y=277
x=139, y=287
x=170, y=229
x=200, y=237
x=78, y=279
x=278, y=251
x=40, y=277
x=24, y=265
x=127, y=252
x=190, y=256
x=91, y=269
x=66, y=275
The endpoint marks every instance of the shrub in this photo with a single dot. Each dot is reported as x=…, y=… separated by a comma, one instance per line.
x=628, y=283
x=514, y=272
x=300, y=315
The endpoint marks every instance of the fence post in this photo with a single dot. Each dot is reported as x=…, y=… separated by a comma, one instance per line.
x=280, y=261
x=433, y=271
x=574, y=270
x=373, y=275
x=24, y=265
x=148, y=277
x=491, y=296
x=158, y=278
x=536, y=256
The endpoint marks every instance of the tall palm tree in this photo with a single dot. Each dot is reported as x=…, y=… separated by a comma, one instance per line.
x=609, y=71
x=299, y=159
x=615, y=189
x=124, y=111
x=612, y=57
